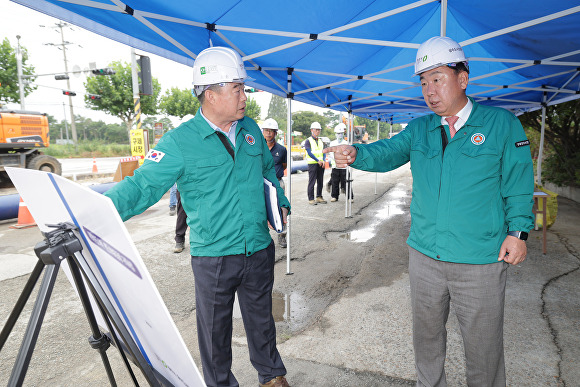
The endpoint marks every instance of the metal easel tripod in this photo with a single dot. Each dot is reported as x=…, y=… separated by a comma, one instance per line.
x=60, y=244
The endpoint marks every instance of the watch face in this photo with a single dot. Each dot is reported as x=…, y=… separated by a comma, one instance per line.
x=524, y=236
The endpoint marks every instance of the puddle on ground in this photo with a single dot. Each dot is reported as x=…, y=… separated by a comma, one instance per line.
x=290, y=308
x=392, y=206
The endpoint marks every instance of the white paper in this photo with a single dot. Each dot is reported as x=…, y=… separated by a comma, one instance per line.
x=273, y=206
x=114, y=259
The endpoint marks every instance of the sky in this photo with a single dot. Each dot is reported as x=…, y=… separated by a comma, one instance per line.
x=38, y=31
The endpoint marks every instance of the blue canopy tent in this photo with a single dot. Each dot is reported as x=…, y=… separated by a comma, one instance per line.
x=357, y=56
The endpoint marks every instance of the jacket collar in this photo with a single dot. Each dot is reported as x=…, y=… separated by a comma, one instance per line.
x=206, y=130
x=474, y=120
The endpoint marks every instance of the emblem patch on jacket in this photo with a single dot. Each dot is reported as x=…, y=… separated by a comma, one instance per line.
x=154, y=155
x=250, y=139
x=522, y=143
x=477, y=139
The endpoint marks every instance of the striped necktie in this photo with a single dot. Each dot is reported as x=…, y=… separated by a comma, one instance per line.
x=452, y=120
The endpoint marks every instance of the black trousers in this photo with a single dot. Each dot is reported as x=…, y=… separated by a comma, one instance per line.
x=315, y=175
x=181, y=222
x=337, y=181
x=217, y=281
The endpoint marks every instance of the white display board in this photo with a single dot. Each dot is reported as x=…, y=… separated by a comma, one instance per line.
x=114, y=259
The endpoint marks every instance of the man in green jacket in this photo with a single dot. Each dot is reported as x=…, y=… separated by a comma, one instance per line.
x=219, y=160
x=471, y=209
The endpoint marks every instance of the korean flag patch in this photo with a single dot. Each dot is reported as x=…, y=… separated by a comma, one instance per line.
x=154, y=155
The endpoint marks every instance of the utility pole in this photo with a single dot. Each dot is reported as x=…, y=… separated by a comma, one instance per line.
x=63, y=45
x=19, y=71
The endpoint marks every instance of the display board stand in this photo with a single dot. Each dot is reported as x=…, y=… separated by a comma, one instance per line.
x=62, y=243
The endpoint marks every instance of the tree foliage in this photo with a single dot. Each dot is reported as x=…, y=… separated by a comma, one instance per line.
x=88, y=130
x=302, y=121
x=333, y=118
x=9, y=88
x=278, y=110
x=116, y=93
x=561, y=141
x=371, y=127
x=179, y=102
x=253, y=110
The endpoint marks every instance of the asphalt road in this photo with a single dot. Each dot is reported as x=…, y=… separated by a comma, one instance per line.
x=343, y=316
x=82, y=166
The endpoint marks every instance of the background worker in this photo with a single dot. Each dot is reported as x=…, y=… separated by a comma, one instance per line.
x=173, y=200
x=231, y=248
x=315, y=159
x=471, y=210
x=180, y=225
x=270, y=131
x=338, y=175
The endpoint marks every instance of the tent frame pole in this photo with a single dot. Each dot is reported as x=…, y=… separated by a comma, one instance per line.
x=289, y=167
x=541, y=150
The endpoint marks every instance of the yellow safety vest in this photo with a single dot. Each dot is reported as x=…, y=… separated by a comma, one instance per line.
x=316, y=147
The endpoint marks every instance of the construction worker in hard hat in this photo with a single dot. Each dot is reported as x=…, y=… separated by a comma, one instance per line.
x=231, y=249
x=338, y=175
x=316, y=159
x=279, y=154
x=471, y=210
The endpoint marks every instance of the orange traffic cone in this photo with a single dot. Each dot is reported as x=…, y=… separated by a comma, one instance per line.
x=25, y=220
x=95, y=170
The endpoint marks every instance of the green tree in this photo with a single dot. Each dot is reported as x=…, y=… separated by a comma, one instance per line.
x=561, y=141
x=116, y=93
x=278, y=110
x=253, y=110
x=332, y=117
x=178, y=102
x=9, y=88
x=302, y=121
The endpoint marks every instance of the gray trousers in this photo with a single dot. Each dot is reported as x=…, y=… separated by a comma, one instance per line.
x=217, y=280
x=478, y=295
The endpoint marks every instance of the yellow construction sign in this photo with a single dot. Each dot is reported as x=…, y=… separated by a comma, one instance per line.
x=138, y=145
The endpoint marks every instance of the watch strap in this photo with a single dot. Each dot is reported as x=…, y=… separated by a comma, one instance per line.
x=519, y=234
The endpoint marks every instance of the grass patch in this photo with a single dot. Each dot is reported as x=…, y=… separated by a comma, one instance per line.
x=88, y=149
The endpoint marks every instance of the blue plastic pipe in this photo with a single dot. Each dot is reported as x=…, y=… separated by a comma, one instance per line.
x=9, y=203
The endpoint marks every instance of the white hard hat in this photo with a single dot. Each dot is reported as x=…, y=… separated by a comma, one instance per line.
x=315, y=125
x=218, y=65
x=270, y=123
x=340, y=128
x=438, y=51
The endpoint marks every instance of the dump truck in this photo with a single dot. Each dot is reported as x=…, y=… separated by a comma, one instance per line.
x=23, y=135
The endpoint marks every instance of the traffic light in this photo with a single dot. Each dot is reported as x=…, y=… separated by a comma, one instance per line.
x=69, y=93
x=104, y=71
x=145, y=81
x=94, y=96
x=251, y=90
x=59, y=77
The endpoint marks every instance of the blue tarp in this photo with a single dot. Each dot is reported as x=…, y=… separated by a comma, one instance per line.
x=357, y=55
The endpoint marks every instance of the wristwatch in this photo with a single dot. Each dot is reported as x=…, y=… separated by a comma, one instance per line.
x=519, y=234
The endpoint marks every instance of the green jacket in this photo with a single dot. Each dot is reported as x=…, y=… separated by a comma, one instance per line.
x=464, y=200
x=224, y=201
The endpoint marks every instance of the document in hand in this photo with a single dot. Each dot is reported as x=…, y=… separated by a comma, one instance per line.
x=273, y=206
